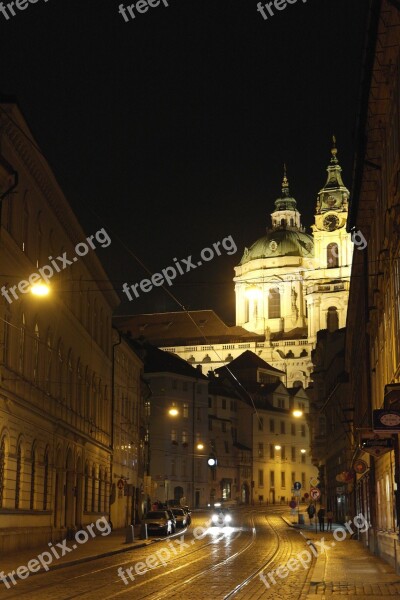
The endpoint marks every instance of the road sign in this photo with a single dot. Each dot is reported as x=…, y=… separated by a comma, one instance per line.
x=315, y=493
x=297, y=493
x=297, y=485
x=314, y=482
x=292, y=504
x=306, y=495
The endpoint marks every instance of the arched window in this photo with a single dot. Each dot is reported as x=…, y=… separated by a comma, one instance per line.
x=33, y=478
x=49, y=357
x=25, y=228
x=93, y=487
x=291, y=222
x=274, y=304
x=332, y=319
x=60, y=371
x=46, y=478
x=18, y=476
x=70, y=380
x=332, y=256
x=86, y=490
x=297, y=383
x=2, y=469
x=283, y=222
x=21, y=347
x=100, y=491
x=36, y=354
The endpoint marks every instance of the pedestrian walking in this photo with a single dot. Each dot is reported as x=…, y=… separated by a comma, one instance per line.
x=321, y=518
x=329, y=518
x=311, y=512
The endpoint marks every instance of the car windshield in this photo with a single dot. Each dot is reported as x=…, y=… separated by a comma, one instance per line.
x=155, y=515
x=178, y=511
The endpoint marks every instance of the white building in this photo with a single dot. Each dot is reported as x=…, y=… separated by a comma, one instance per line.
x=289, y=284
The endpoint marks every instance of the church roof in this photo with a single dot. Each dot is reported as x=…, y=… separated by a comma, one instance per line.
x=183, y=328
x=287, y=243
x=249, y=360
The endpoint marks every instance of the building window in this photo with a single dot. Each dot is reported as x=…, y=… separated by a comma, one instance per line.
x=274, y=304
x=272, y=425
x=271, y=451
x=283, y=453
x=272, y=478
x=293, y=476
x=2, y=469
x=173, y=467
x=260, y=450
x=209, y=402
x=209, y=424
x=186, y=411
x=283, y=428
x=332, y=256
x=260, y=478
x=332, y=319
x=260, y=424
x=184, y=437
x=18, y=476
x=184, y=470
x=93, y=487
x=303, y=480
x=303, y=430
x=223, y=427
x=293, y=454
x=303, y=457
x=283, y=479
x=198, y=414
x=173, y=435
x=223, y=404
x=226, y=447
x=86, y=490
x=33, y=478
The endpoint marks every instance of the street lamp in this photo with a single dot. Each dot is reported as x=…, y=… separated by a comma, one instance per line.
x=173, y=411
x=297, y=413
x=40, y=289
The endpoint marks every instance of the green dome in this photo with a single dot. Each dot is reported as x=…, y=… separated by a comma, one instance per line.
x=280, y=242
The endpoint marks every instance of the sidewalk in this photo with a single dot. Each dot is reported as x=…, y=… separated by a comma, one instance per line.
x=94, y=548
x=345, y=567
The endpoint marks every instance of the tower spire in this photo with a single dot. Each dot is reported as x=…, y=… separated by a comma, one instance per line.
x=285, y=182
x=334, y=159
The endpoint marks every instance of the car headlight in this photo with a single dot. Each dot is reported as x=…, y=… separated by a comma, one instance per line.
x=228, y=518
x=214, y=518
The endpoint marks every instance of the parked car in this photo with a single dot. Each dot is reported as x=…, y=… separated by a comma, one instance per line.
x=158, y=521
x=173, y=519
x=181, y=517
x=188, y=514
x=221, y=518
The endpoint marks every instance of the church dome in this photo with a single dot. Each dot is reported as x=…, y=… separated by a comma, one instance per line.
x=280, y=242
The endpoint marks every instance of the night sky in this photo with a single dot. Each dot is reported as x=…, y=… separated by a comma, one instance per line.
x=171, y=130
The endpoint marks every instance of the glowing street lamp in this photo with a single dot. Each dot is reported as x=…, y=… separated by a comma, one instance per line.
x=173, y=412
x=297, y=413
x=303, y=451
x=253, y=292
x=200, y=446
x=40, y=289
x=277, y=447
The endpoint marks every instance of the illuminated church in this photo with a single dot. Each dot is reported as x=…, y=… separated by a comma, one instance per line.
x=288, y=285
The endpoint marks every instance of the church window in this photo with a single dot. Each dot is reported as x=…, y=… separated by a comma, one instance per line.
x=292, y=222
x=332, y=256
x=283, y=222
x=274, y=304
x=332, y=319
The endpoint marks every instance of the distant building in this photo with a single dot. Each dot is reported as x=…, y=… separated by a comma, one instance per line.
x=279, y=441
x=289, y=284
x=177, y=421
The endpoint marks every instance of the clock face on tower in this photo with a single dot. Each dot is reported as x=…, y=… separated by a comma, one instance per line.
x=330, y=222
